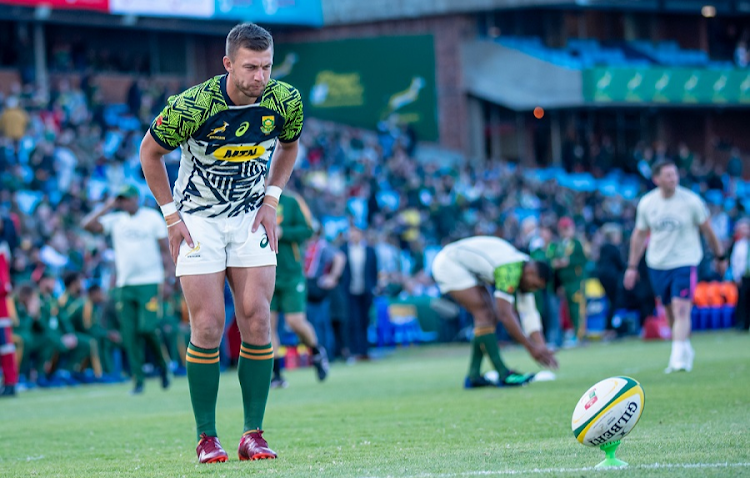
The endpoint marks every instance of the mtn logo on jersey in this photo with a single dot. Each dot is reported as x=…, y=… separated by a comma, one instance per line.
x=239, y=154
x=221, y=129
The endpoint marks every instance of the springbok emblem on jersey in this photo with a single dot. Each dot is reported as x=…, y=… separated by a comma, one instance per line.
x=268, y=124
x=215, y=131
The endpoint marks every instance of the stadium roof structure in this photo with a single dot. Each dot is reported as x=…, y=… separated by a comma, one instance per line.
x=201, y=16
x=357, y=11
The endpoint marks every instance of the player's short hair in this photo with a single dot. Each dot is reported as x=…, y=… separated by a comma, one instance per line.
x=250, y=36
x=543, y=270
x=661, y=164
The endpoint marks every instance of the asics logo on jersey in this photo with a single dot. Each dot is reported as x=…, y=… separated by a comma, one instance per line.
x=239, y=154
x=264, y=242
x=221, y=129
x=242, y=129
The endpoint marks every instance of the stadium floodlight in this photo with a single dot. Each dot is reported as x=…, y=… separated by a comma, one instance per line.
x=42, y=12
x=708, y=11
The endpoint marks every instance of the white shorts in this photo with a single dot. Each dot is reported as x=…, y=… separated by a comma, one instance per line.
x=450, y=274
x=223, y=242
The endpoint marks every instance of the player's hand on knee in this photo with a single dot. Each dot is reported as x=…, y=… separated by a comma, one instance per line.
x=266, y=217
x=178, y=232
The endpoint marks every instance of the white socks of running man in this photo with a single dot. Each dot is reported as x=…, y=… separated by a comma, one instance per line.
x=681, y=357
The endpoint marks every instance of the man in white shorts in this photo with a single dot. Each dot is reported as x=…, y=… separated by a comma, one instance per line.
x=221, y=220
x=675, y=217
x=464, y=269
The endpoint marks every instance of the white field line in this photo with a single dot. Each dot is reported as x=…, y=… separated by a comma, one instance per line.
x=545, y=471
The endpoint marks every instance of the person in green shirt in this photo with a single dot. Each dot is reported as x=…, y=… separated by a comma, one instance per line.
x=71, y=347
x=568, y=260
x=85, y=314
x=30, y=329
x=290, y=295
x=547, y=302
x=176, y=335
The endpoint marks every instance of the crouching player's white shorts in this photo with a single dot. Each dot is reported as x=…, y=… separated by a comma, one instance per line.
x=450, y=275
x=223, y=242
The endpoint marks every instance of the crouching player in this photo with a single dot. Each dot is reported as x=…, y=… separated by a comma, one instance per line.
x=464, y=270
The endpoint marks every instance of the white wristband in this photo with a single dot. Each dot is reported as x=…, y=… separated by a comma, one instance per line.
x=167, y=209
x=273, y=191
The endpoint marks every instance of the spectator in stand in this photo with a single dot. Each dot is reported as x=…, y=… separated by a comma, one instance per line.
x=610, y=268
x=13, y=120
x=360, y=279
x=740, y=262
x=685, y=159
x=741, y=54
x=323, y=267
x=734, y=166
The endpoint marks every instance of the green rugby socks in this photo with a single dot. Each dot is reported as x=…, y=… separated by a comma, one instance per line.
x=203, y=380
x=485, y=342
x=254, y=370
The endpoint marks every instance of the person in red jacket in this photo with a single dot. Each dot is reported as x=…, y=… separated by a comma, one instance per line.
x=7, y=347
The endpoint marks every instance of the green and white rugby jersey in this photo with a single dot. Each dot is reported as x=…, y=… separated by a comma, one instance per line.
x=225, y=148
x=491, y=260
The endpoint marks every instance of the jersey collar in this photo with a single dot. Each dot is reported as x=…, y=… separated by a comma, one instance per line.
x=228, y=100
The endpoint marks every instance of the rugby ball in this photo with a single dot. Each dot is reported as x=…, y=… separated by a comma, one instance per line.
x=608, y=411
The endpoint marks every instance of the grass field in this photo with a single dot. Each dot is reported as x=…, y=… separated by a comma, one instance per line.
x=403, y=416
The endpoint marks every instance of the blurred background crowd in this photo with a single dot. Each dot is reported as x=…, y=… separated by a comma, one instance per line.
x=62, y=156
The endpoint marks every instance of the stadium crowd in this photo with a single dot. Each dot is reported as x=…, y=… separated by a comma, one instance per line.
x=61, y=155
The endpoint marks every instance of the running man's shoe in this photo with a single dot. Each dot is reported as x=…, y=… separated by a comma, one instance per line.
x=165, y=378
x=254, y=447
x=209, y=450
x=279, y=382
x=320, y=362
x=8, y=391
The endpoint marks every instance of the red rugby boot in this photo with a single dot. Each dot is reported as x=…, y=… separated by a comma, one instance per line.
x=209, y=450
x=254, y=447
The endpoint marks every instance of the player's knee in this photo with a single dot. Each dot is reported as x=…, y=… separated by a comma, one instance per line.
x=258, y=310
x=680, y=308
x=206, y=338
x=483, y=316
x=258, y=331
x=205, y=333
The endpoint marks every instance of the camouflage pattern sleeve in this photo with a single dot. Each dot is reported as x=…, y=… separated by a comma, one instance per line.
x=293, y=116
x=185, y=113
x=507, y=280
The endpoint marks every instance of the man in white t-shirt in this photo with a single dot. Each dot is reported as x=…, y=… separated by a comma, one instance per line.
x=675, y=217
x=139, y=239
x=464, y=269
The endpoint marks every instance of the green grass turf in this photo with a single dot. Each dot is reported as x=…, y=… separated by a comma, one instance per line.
x=403, y=416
